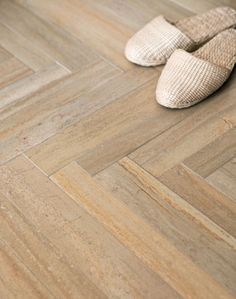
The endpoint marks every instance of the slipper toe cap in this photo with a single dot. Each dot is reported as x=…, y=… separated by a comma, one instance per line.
x=155, y=42
x=187, y=80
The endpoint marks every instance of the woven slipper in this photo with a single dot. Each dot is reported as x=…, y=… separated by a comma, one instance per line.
x=188, y=78
x=154, y=44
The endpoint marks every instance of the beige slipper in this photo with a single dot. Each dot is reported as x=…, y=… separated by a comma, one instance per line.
x=154, y=44
x=188, y=78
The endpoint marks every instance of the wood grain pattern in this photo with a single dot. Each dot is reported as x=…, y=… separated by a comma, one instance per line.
x=224, y=178
x=56, y=219
x=43, y=117
x=57, y=43
x=148, y=244
x=103, y=192
x=182, y=145
x=177, y=220
x=30, y=84
x=12, y=70
x=23, y=49
x=4, y=55
x=101, y=138
x=219, y=151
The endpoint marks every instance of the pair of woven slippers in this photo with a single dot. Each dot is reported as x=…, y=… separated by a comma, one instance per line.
x=187, y=78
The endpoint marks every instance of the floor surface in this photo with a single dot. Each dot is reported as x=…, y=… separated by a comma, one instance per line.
x=104, y=193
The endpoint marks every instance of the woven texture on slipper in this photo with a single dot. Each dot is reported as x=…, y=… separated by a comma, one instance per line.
x=187, y=80
x=201, y=28
x=221, y=50
x=155, y=42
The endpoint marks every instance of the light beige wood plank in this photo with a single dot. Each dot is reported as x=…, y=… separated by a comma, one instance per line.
x=108, y=134
x=104, y=36
x=43, y=220
x=37, y=117
x=12, y=70
x=148, y=244
x=23, y=49
x=190, y=231
x=184, y=140
x=224, y=179
x=31, y=84
x=131, y=14
x=58, y=44
x=35, y=196
x=197, y=192
x=4, y=55
x=230, y=167
x=17, y=281
x=214, y=155
x=113, y=268
x=202, y=5
x=209, y=108
x=36, y=253
x=114, y=21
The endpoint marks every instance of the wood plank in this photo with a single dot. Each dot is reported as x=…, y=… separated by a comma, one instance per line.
x=214, y=155
x=115, y=21
x=190, y=231
x=35, y=196
x=57, y=43
x=4, y=55
x=207, y=109
x=148, y=244
x=31, y=84
x=185, y=139
x=17, y=281
x=231, y=167
x=108, y=134
x=131, y=14
x=35, y=118
x=108, y=39
x=224, y=179
x=12, y=70
x=23, y=49
x=28, y=247
x=44, y=217
x=201, y=6
x=197, y=192
x=111, y=265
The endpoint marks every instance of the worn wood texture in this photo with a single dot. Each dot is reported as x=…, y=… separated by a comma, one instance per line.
x=104, y=193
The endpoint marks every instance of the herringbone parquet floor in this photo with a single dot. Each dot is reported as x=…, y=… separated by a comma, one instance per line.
x=104, y=193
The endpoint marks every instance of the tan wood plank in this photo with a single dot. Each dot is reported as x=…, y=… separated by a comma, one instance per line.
x=214, y=155
x=179, y=222
x=31, y=84
x=135, y=14
x=23, y=49
x=35, y=118
x=202, y=5
x=224, y=179
x=4, y=55
x=35, y=196
x=108, y=134
x=17, y=281
x=58, y=44
x=184, y=140
x=12, y=70
x=148, y=244
x=104, y=36
x=55, y=238
x=231, y=167
x=197, y=192
x=131, y=14
x=209, y=108
x=114, y=21
x=26, y=244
